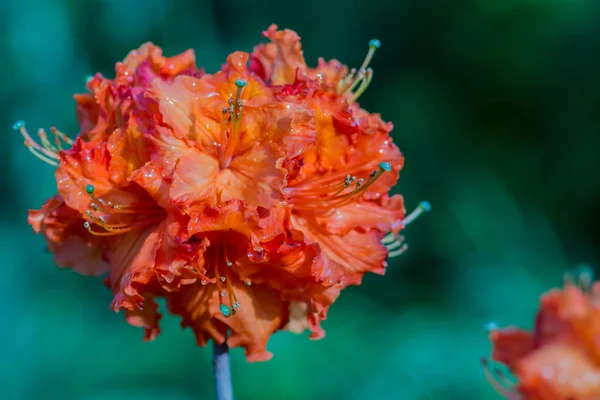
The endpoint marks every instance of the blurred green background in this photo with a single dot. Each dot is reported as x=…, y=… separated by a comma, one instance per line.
x=495, y=106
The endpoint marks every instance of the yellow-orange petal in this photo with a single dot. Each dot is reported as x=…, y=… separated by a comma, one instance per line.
x=180, y=109
x=252, y=177
x=194, y=180
x=128, y=149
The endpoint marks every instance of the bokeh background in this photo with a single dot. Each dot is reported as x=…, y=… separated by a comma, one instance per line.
x=495, y=107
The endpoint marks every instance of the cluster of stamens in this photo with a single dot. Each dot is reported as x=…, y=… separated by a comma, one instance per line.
x=47, y=151
x=225, y=288
x=353, y=85
x=124, y=218
x=232, y=115
x=325, y=197
x=395, y=243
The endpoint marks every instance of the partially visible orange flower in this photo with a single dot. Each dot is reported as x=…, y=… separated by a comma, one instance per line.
x=560, y=359
x=248, y=198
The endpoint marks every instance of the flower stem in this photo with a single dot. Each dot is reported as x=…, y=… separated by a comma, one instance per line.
x=222, y=371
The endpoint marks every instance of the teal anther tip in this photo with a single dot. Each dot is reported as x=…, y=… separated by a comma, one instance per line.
x=425, y=205
x=89, y=189
x=240, y=83
x=225, y=310
x=374, y=43
x=386, y=166
x=18, y=125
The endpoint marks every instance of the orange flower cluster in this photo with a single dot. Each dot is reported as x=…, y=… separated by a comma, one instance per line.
x=248, y=198
x=560, y=359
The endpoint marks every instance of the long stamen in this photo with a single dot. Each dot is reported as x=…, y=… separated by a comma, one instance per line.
x=61, y=135
x=339, y=198
x=359, y=80
x=235, y=117
x=148, y=216
x=47, y=151
x=423, y=207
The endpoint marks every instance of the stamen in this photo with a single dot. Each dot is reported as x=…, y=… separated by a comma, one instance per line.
x=234, y=113
x=47, y=152
x=423, y=207
x=397, y=243
x=326, y=202
x=361, y=80
x=398, y=252
x=146, y=216
x=491, y=375
x=389, y=238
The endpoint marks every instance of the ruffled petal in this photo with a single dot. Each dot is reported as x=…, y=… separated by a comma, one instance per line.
x=384, y=215
x=73, y=247
x=179, y=105
x=355, y=252
x=279, y=60
x=146, y=318
x=261, y=314
x=128, y=151
x=253, y=177
x=193, y=182
x=132, y=258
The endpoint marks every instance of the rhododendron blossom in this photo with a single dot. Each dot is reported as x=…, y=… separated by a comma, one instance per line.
x=560, y=359
x=248, y=198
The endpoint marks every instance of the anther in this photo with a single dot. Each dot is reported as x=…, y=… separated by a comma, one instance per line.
x=89, y=189
x=374, y=43
x=18, y=125
x=225, y=310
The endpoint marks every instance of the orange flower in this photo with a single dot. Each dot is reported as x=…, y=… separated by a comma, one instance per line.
x=248, y=198
x=560, y=359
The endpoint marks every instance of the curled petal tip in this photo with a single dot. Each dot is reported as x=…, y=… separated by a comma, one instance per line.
x=18, y=125
x=375, y=43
